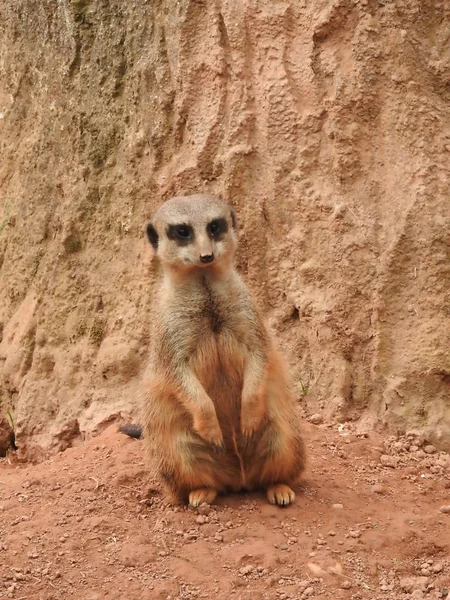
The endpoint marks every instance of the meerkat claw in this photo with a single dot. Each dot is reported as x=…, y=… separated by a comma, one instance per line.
x=281, y=494
x=201, y=495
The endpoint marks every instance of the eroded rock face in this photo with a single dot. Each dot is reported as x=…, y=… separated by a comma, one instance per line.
x=327, y=125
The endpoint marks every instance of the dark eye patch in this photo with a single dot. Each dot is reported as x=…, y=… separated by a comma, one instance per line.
x=182, y=234
x=152, y=236
x=217, y=228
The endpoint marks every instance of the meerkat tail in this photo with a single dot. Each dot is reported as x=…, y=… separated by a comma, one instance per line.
x=134, y=431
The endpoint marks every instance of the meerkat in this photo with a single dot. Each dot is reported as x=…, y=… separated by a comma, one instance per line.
x=218, y=412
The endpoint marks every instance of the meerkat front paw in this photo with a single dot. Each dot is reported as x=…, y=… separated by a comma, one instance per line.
x=252, y=414
x=207, y=426
x=197, y=497
x=281, y=494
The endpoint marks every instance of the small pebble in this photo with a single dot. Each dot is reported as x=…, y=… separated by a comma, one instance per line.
x=338, y=506
x=429, y=449
x=389, y=461
x=316, y=419
x=246, y=570
x=201, y=519
x=346, y=585
x=445, y=509
x=354, y=533
x=410, y=584
x=204, y=509
x=378, y=489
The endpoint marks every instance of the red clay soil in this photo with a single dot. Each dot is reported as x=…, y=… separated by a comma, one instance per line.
x=371, y=521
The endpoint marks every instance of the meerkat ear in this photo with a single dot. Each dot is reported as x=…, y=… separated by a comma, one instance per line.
x=233, y=219
x=152, y=236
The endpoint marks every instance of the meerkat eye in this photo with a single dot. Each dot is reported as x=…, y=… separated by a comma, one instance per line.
x=214, y=227
x=183, y=234
x=217, y=227
x=183, y=231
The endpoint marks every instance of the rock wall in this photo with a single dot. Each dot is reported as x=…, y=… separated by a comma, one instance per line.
x=327, y=125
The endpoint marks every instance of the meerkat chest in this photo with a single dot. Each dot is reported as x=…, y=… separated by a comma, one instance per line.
x=212, y=316
x=222, y=313
x=213, y=313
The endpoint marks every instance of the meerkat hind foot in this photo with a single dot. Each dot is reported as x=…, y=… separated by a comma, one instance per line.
x=281, y=494
x=197, y=497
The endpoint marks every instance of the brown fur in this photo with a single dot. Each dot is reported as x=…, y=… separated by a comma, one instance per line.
x=219, y=414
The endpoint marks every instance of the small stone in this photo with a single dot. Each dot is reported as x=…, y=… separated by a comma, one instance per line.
x=246, y=570
x=437, y=568
x=354, y=533
x=378, y=489
x=445, y=509
x=413, y=448
x=303, y=584
x=346, y=585
x=204, y=509
x=201, y=519
x=308, y=592
x=429, y=449
x=337, y=506
x=316, y=419
x=416, y=437
x=409, y=584
x=417, y=595
x=389, y=461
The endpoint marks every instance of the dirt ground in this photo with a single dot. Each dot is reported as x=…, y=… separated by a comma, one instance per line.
x=371, y=521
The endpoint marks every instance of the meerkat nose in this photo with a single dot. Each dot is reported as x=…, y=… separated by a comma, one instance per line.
x=206, y=258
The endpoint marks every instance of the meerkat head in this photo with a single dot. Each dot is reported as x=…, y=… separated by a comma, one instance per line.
x=197, y=231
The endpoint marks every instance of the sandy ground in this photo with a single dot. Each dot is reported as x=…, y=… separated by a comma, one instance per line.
x=370, y=522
